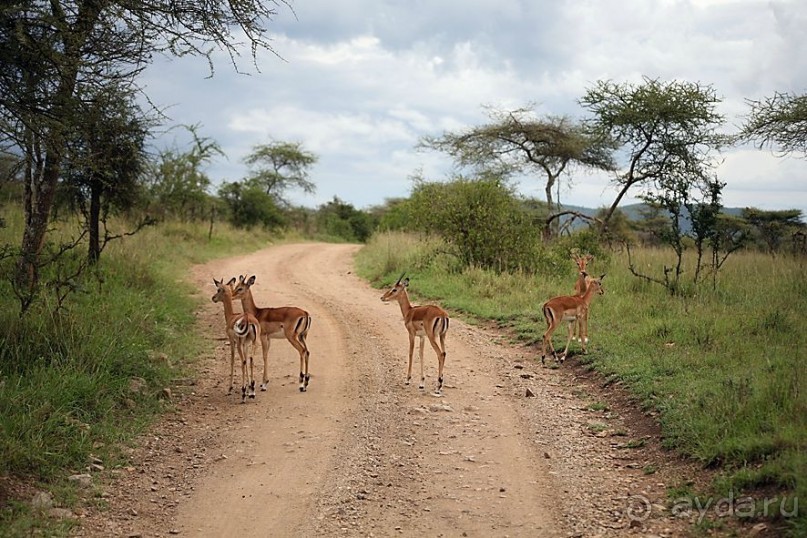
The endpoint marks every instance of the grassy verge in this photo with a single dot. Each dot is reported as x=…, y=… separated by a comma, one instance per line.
x=79, y=384
x=724, y=368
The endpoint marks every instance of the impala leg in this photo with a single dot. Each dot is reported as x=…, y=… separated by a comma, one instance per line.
x=304, y=379
x=303, y=368
x=232, y=367
x=298, y=343
x=250, y=351
x=546, y=342
x=303, y=336
x=265, y=350
x=568, y=340
x=422, y=374
x=307, y=376
x=441, y=358
x=243, y=373
x=443, y=361
x=584, y=331
x=411, y=351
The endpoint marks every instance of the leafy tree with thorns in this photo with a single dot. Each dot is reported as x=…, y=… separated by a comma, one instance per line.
x=778, y=121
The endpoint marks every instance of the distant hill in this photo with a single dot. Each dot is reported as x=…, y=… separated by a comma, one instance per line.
x=634, y=212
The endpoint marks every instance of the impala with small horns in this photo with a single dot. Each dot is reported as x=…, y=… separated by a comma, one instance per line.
x=571, y=308
x=427, y=321
x=243, y=330
x=287, y=322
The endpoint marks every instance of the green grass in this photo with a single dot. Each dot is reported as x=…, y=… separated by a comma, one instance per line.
x=68, y=379
x=724, y=368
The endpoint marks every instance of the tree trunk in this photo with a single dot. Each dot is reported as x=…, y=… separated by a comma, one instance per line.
x=93, y=221
x=40, y=190
x=610, y=212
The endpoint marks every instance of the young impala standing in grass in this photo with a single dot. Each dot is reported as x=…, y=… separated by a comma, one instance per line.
x=243, y=330
x=287, y=322
x=571, y=308
x=581, y=285
x=426, y=321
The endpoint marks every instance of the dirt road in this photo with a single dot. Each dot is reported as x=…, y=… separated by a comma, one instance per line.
x=362, y=454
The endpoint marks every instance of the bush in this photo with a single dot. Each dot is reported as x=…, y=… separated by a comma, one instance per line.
x=249, y=206
x=341, y=220
x=482, y=220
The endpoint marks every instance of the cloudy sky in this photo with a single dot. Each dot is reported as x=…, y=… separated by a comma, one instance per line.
x=359, y=82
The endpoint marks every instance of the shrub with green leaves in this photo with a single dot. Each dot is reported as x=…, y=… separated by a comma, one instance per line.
x=481, y=219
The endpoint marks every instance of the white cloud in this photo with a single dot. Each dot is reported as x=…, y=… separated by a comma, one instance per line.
x=360, y=82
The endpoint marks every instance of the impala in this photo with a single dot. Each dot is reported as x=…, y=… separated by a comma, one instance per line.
x=243, y=330
x=571, y=308
x=581, y=285
x=287, y=322
x=426, y=321
x=583, y=278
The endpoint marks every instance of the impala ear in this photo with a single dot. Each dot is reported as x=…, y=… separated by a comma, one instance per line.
x=231, y=282
x=602, y=276
x=216, y=282
x=251, y=280
x=405, y=282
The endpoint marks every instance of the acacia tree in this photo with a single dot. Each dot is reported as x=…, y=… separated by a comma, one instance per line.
x=681, y=198
x=279, y=166
x=51, y=47
x=179, y=183
x=106, y=161
x=773, y=227
x=519, y=141
x=661, y=128
x=779, y=121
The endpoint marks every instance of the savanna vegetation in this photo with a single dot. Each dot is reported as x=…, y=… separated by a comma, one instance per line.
x=701, y=320
x=721, y=367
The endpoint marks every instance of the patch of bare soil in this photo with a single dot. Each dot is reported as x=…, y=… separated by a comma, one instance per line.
x=510, y=448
